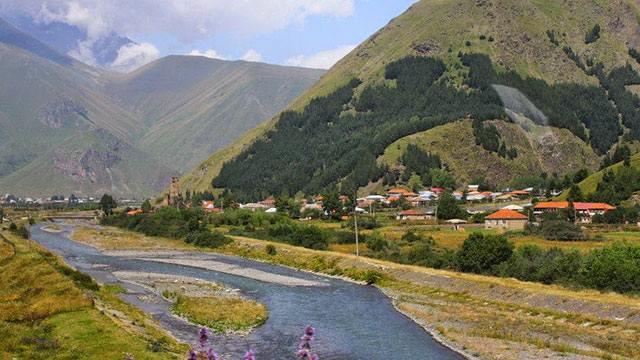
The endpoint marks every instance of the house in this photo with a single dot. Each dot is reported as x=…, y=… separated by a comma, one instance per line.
x=254, y=206
x=134, y=212
x=415, y=215
x=209, y=207
x=584, y=211
x=506, y=219
x=268, y=202
x=397, y=192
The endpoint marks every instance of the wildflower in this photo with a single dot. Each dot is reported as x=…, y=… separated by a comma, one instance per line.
x=249, y=355
x=211, y=355
x=192, y=355
x=204, y=336
x=304, y=349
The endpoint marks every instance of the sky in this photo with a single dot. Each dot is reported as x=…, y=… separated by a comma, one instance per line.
x=308, y=33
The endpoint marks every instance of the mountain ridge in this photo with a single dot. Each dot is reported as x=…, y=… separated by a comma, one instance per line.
x=524, y=38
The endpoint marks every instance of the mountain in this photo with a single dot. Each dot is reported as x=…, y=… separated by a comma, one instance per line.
x=65, y=38
x=193, y=105
x=69, y=127
x=498, y=63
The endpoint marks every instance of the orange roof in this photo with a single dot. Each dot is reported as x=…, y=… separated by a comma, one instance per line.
x=576, y=205
x=552, y=205
x=593, y=206
x=134, y=212
x=519, y=192
x=398, y=191
x=410, y=194
x=506, y=214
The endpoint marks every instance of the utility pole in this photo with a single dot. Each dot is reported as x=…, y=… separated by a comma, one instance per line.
x=355, y=221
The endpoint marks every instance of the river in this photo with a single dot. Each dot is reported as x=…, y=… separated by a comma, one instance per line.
x=352, y=321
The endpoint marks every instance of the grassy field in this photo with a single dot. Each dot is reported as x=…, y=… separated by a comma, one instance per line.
x=220, y=313
x=492, y=318
x=45, y=314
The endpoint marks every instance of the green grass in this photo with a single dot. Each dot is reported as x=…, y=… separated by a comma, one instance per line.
x=590, y=184
x=219, y=313
x=44, y=314
x=455, y=144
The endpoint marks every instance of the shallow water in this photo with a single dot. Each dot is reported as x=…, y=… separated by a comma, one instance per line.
x=352, y=321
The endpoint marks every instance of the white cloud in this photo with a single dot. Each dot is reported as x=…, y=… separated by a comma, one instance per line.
x=212, y=54
x=321, y=60
x=252, y=55
x=132, y=56
x=186, y=20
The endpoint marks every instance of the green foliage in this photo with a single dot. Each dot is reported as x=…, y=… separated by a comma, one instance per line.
x=618, y=186
x=561, y=230
x=288, y=206
x=442, y=178
x=411, y=236
x=21, y=230
x=593, y=35
x=614, y=268
x=634, y=54
x=415, y=160
x=332, y=205
x=448, y=208
x=107, y=204
x=575, y=194
x=551, y=34
x=481, y=254
x=532, y=263
x=271, y=250
x=417, y=102
x=205, y=238
x=146, y=206
x=377, y=242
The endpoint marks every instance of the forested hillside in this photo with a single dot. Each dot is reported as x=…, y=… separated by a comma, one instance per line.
x=521, y=62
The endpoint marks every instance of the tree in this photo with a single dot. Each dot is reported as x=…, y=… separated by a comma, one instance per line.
x=481, y=254
x=331, y=204
x=146, y=206
x=415, y=182
x=575, y=194
x=448, y=207
x=442, y=178
x=107, y=204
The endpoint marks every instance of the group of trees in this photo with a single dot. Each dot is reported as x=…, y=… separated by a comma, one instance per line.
x=489, y=138
x=593, y=35
x=615, y=267
x=186, y=224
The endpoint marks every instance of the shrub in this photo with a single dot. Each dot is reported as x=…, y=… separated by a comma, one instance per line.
x=205, y=238
x=377, y=242
x=480, y=254
x=13, y=227
x=562, y=230
x=270, y=250
x=614, y=268
x=410, y=236
x=593, y=35
x=532, y=263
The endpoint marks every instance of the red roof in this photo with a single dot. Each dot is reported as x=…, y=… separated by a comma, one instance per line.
x=576, y=205
x=593, y=206
x=134, y=212
x=437, y=189
x=506, y=214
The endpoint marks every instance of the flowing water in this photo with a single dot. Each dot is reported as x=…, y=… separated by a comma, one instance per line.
x=352, y=321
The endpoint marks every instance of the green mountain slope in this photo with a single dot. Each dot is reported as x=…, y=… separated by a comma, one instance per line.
x=193, y=106
x=540, y=150
x=535, y=50
x=169, y=116
x=94, y=162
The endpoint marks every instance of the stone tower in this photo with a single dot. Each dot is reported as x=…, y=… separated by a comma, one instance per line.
x=173, y=199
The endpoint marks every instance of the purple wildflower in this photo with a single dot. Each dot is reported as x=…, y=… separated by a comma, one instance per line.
x=211, y=355
x=304, y=349
x=192, y=355
x=204, y=336
x=249, y=355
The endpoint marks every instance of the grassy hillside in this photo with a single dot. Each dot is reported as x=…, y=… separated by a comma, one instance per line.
x=590, y=184
x=169, y=115
x=193, y=106
x=512, y=33
x=540, y=149
x=92, y=163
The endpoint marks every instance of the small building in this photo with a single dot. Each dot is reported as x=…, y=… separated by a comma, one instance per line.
x=584, y=211
x=506, y=219
x=415, y=215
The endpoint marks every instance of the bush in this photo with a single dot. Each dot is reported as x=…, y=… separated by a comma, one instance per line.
x=270, y=250
x=377, y=242
x=480, y=254
x=614, y=268
x=593, y=35
x=562, y=230
x=410, y=236
x=205, y=238
x=13, y=227
x=532, y=263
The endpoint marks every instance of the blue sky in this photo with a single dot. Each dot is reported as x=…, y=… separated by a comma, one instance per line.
x=319, y=33
x=311, y=33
